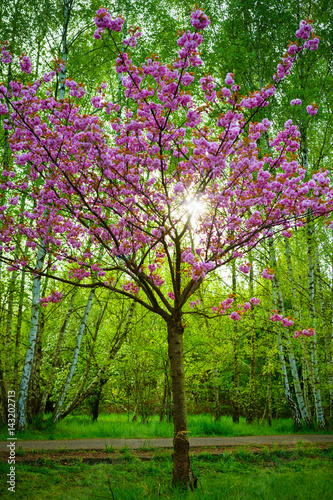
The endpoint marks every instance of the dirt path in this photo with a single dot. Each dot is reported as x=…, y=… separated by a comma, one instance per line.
x=135, y=444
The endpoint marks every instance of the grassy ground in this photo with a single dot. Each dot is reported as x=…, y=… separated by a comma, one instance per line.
x=118, y=426
x=301, y=474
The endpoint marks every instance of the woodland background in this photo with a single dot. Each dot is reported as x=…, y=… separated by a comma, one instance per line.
x=252, y=368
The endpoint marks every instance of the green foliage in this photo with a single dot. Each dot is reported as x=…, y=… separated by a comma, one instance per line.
x=277, y=474
x=117, y=426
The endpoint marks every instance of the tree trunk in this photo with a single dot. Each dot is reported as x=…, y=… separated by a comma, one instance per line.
x=96, y=399
x=313, y=341
x=64, y=49
x=34, y=392
x=278, y=301
x=252, y=404
x=328, y=351
x=56, y=354
x=235, y=397
x=291, y=403
x=269, y=396
x=9, y=324
x=3, y=400
x=25, y=379
x=181, y=473
x=18, y=332
x=71, y=370
x=81, y=396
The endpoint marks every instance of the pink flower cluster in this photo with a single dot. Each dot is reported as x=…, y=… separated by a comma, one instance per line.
x=312, y=44
x=78, y=273
x=3, y=108
x=49, y=76
x=296, y=102
x=235, y=315
x=193, y=303
x=287, y=322
x=306, y=332
x=254, y=301
x=6, y=56
x=312, y=109
x=131, y=287
x=245, y=268
x=199, y=269
x=25, y=64
x=304, y=30
x=76, y=90
x=199, y=20
x=226, y=304
x=132, y=41
x=103, y=21
x=268, y=274
x=53, y=298
x=189, y=53
x=229, y=79
x=208, y=86
x=275, y=316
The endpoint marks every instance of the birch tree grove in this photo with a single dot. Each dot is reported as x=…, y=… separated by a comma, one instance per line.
x=150, y=200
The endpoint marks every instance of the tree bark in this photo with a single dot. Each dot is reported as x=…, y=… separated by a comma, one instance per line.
x=291, y=403
x=25, y=378
x=96, y=399
x=313, y=340
x=278, y=300
x=71, y=370
x=328, y=351
x=81, y=396
x=9, y=324
x=181, y=473
x=235, y=397
x=18, y=332
x=56, y=354
x=252, y=404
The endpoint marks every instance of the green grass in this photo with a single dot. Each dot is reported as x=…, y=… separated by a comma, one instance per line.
x=117, y=426
x=302, y=474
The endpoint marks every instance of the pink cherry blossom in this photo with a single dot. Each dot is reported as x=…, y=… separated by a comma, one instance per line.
x=199, y=20
x=312, y=109
x=235, y=316
x=245, y=268
x=287, y=322
x=25, y=64
x=276, y=317
x=229, y=79
x=268, y=274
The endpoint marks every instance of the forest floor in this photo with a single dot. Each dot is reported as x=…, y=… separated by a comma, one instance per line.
x=150, y=444
x=301, y=471
x=115, y=450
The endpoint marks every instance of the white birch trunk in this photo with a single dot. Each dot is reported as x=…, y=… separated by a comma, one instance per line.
x=313, y=339
x=326, y=337
x=18, y=332
x=291, y=355
x=64, y=49
x=56, y=354
x=71, y=370
x=80, y=397
x=22, y=400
